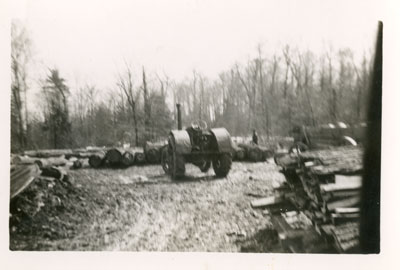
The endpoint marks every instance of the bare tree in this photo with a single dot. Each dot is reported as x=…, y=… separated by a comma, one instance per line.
x=147, y=108
x=125, y=83
x=250, y=85
x=20, y=57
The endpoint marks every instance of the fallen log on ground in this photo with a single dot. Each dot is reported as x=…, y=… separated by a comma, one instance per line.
x=77, y=164
x=266, y=153
x=55, y=172
x=140, y=158
x=152, y=151
x=41, y=162
x=114, y=157
x=253, y=152
x=46, y=153
x=128, y=158
x=97, y=159
x=238, y=152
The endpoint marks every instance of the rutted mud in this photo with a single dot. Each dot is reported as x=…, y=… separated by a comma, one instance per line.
x=142, y=209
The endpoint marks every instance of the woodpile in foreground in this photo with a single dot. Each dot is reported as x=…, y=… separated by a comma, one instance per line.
x=324, y=186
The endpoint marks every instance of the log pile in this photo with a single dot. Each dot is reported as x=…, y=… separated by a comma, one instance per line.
x=239, y=153
x=327, y=187
x=94, y=157
x=152, y=152
x=96, y=160
x=254, y=152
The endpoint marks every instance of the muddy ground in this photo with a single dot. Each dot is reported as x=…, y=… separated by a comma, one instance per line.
x=142, y=209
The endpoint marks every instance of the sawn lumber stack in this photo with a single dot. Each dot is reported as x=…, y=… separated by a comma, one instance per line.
x=327, y=187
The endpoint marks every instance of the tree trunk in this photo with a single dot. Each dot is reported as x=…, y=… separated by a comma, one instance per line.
x=135, y=124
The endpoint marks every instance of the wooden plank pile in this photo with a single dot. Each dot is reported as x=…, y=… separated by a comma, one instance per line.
x=326, y=186
x=23, y=171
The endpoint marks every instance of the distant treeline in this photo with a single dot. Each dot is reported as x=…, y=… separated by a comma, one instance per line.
x=269, y=93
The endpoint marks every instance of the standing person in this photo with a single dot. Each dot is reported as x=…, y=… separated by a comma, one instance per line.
x=255, y=137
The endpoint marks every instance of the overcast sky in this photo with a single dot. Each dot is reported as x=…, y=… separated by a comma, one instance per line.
x=89, y=40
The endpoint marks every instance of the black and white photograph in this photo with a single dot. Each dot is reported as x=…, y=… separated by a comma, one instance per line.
x=195, y=126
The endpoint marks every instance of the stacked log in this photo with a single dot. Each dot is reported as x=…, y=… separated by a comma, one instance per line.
x=97, y=159
x=253, y=152
x=41, y=162
x=128, y=158
x=114, y=156
x=47, y=153
x=77, y=164
x=238, y=152
x=152, y=152
x=140, y=158
x=266, y=153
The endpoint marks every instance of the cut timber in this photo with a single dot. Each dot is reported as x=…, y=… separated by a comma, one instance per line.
x=140, y=158
x=298, y=240
x=48, y=153
x=114, y=156
x=77, y=164
x=41, y=162
x=340, y=194
x=253, y=152
x=128, y=158
x=339, y=187
x=152, y=152
x=267, y=201
x=266, y=153
x=50, y=162
x=339, y=219
x=347, y=210
x=345, y=179
x=238, y=152
x=21, y=176
x=22, y=160
x=353, y=201
x=54, y=172
x=96, y=160
x=346, y=236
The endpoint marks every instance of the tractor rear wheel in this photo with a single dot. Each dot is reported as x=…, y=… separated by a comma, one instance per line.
x=222, y=164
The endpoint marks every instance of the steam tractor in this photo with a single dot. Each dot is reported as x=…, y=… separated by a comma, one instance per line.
x=199, y=146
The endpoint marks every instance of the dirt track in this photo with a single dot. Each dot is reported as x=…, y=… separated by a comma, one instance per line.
x=141, y=209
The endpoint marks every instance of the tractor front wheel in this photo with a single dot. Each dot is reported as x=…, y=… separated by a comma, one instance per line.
x=205, y=166
x=222, y=164
x=178, y=166
x=165, y=162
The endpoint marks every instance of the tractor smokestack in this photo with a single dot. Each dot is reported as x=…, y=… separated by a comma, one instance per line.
x=178, y=108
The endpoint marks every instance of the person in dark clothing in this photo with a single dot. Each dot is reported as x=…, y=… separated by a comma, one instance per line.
x=255, y=137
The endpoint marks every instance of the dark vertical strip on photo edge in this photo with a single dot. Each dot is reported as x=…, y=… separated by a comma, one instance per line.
x=370, y=210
